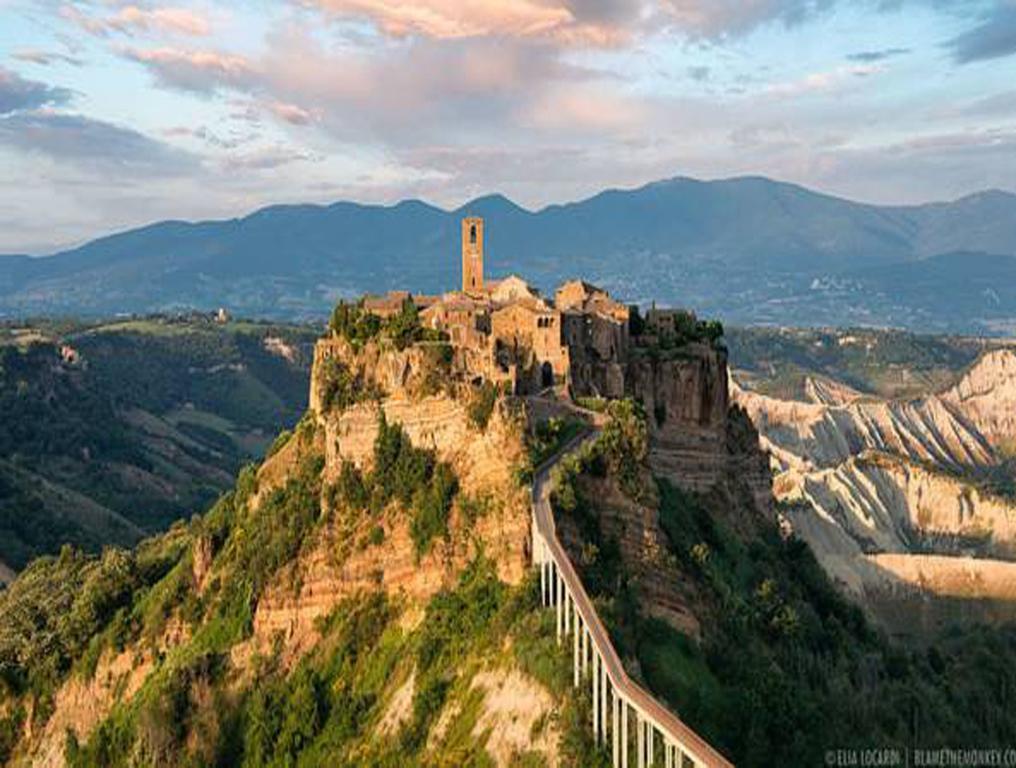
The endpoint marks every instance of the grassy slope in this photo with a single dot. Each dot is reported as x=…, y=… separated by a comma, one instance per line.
x=881, y=362
x=194, y=708
x=787, y=669
x=150, y=426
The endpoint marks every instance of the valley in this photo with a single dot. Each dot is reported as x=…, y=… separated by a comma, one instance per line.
x=115, y=430
x=901, y=497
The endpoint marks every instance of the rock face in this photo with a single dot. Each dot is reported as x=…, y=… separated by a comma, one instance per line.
x=699, y=443
x=808, y=436
x=342, y=561
x=864, y=479
x=888, y=504
x=986, y=397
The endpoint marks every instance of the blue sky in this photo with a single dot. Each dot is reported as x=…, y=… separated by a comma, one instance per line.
x=115, y=114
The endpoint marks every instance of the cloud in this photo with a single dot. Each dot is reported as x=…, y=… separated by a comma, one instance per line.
x=133, y=19
x=17, y=93
x=993, y=38
x=714, y=19
x=290, y=113
x=699, y=74
x=268, y=158
x=818, y=82
x=870, y=57
x=175, y=20
x=591, y=23
x=45, y=58
x=198, y=71
x=93, y=144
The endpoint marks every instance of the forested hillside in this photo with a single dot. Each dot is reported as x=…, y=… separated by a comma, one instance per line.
x=112, y=431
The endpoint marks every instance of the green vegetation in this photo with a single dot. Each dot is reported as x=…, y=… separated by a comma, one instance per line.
x=119, y=440
x=62, y=607
x=548, y=437
x=340, y=388
x=786, y=668
x=889, y=363
x=354, y=324
x=481, y=404
x=687, y=330
x=401, y=472
x=325, y=711
x=358, y=326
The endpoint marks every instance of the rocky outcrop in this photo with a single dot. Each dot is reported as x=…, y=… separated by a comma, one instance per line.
x=986, y=397
x=888, y=504
x=343, y=560
x=870, y=482
x=807, y=436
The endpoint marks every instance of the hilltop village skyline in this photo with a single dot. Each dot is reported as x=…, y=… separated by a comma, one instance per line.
x=507, y=332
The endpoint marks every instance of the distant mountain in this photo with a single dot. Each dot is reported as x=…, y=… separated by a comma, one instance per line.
x=746, y=249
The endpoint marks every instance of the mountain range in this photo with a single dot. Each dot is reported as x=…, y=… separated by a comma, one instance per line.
x=748, y=250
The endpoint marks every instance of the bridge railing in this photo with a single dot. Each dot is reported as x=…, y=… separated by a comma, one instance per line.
x=624, y=714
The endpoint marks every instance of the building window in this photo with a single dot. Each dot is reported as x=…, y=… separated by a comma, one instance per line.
x=472, y=234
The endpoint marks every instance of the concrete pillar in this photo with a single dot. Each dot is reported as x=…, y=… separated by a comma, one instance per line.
x=650, y=746
x=569, y=611
x=558, y=603
x=543, y=581
x=668, y=752
x=640, y=740
x=575, y=640
x=585, y=650
x=604, y=686
x=615, y=730
x=596, y=699
x=624, y=734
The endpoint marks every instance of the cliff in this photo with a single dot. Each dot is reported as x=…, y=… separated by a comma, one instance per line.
x=297, y=566
x=860, y=477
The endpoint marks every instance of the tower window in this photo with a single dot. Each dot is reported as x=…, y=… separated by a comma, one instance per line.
x=472, y=234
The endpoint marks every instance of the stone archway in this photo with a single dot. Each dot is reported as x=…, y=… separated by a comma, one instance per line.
x=546, y=375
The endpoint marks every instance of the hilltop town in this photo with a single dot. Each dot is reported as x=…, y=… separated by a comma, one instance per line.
x=505, y=332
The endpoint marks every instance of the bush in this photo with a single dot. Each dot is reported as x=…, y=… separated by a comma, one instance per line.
x=352, y=323
x=339, y=388
x=431, y=505
x=481, y=405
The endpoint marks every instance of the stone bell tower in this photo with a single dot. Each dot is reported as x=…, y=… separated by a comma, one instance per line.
x=472, y=254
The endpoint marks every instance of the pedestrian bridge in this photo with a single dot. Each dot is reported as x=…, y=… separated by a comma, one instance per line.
x=639, y=730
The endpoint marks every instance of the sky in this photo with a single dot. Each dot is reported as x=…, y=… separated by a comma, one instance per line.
x=116, y=114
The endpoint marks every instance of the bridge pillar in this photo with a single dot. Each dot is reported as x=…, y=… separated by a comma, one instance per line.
x=575, y=654
x=543, y=581
x=604, y=685
x=557, y=602
x=640, y=740
x=585, y=650
x=624, y=734
x=615, y=731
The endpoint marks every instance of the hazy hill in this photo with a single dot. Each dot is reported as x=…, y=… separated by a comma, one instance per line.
x=111, y=432
x=747, y=249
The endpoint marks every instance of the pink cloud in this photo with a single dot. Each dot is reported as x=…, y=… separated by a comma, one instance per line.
x=131, y=19
x=177, y=20
x=290, y=113
x=202, y=71
x=452, y=19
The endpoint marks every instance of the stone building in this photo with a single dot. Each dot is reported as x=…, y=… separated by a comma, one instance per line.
x=503, y=330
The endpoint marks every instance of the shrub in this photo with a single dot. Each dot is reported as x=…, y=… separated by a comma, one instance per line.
x=481, y=405
x=353, y=324
x=431, y=507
